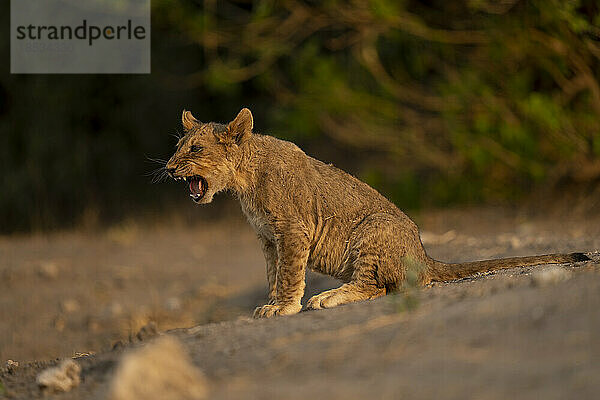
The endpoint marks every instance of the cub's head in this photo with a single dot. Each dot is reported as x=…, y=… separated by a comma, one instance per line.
x=208, y=154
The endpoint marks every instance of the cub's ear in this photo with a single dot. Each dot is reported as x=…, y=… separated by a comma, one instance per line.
x=188, y=120
x=240, y=128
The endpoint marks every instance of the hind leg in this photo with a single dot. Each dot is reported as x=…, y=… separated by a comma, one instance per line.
x=379, y=249
x=363, y=284
x=347, y=293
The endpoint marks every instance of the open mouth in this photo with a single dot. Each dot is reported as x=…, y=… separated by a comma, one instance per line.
x=197, y=185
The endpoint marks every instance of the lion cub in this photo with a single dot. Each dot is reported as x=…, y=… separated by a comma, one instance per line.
x=308, y=214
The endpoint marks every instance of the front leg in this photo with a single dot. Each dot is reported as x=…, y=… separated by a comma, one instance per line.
x=292, y=251
x=270, y=251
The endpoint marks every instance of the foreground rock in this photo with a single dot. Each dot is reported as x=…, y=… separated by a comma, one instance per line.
x=61, y=378
x=160, y=370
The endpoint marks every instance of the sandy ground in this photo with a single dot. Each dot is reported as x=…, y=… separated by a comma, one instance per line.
x=527, y=333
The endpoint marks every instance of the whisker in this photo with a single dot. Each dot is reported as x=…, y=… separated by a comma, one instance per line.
x=155, y=171
x=177, y=135
x=156, y=160
x=158, y=175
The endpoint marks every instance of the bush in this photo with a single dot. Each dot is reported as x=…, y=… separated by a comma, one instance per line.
x=432, y=102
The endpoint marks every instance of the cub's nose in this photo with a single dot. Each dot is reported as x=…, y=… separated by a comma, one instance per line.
x=171, y=171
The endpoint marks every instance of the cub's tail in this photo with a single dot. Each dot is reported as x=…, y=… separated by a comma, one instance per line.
x=439, y=271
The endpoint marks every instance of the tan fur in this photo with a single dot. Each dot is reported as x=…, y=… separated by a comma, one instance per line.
x=308, y=214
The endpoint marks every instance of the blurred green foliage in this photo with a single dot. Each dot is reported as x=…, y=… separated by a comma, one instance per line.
x=432, y=102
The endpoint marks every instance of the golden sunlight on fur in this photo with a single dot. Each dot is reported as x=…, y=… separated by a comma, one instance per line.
x=308, y=214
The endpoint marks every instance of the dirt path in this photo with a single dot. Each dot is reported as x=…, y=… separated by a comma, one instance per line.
x=524, y=333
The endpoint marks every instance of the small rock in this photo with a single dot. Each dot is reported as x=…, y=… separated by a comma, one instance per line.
x=48, y=270
x=59, y=323
x=61, y=378
x=93, y=325
x=537, y=314
x=11, y=366
x=515, y=242
x=83, y=354
x=549, y=276
x=432, y=238
x=70, y=306
x=116, y=309
x=159, y=371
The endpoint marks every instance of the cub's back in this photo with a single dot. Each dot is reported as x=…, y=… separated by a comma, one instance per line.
x=307, y=181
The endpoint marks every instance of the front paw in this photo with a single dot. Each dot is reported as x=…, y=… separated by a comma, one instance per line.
x=271, y=310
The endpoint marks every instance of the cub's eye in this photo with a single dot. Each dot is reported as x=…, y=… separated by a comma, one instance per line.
x=195, y=148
